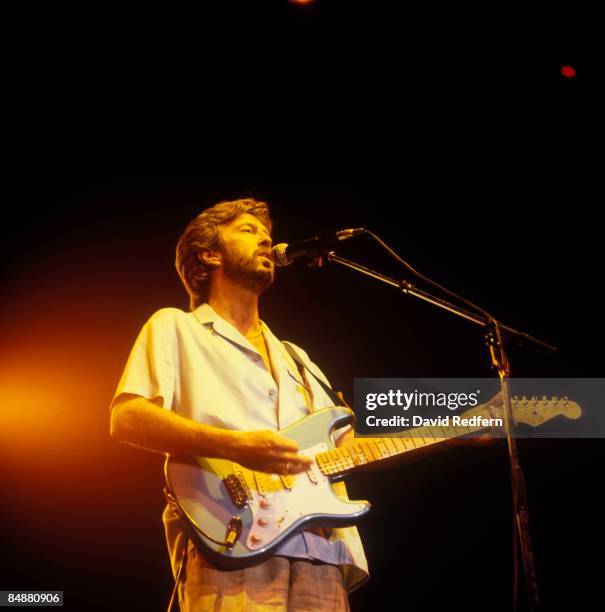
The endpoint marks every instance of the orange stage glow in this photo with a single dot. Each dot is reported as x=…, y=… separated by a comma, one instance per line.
x=64, y=345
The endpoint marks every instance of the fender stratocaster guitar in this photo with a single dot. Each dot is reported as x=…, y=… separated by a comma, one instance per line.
x=237, y=517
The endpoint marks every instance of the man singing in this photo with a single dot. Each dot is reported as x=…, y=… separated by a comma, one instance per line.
x=216, y=382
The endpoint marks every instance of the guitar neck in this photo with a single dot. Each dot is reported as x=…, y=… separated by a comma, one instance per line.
x=532, y=412
x=368, y=450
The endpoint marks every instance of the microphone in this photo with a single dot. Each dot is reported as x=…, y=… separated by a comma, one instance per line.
x=284, y=254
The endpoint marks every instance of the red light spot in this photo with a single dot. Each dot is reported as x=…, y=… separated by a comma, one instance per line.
x=568, y=72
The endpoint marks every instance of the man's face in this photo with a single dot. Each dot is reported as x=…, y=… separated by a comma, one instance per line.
x=246, y=253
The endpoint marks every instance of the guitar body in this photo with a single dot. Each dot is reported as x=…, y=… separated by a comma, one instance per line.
x=219, y=498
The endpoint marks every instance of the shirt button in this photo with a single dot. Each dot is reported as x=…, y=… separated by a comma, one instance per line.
x=271, y=393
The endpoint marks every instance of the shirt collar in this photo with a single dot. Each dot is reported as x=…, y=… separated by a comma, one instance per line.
x=206, y=315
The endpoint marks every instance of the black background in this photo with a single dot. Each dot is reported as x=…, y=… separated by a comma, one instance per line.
x=447, y=130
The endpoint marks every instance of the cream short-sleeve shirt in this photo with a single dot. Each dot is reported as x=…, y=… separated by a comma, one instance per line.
x=200, y=366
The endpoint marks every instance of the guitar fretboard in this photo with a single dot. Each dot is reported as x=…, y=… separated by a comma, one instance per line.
x=366, y=451
x=531, y=411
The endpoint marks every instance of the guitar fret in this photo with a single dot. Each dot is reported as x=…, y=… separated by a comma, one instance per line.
x=369, y=457
x=341, y=459
x=419, y=436
x=349, y=463
x=327, y=462
x=353, y=454
x=361, y=458
x=333, y=462
x=442, y=432
x=412, y=441
x=404, y=442
x=394, y=450
x=408, y=443
x=382, y=449
x=438, y=431
x=339, y=463
x=397, y=443
x=436, y=434
x=426, y=435
x=346, y=458
x=450, y=432
x=374, y=450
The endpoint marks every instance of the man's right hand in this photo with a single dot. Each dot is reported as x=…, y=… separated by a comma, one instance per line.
x=267, y=451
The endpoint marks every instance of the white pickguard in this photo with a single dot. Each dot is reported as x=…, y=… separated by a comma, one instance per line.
x=278, y=501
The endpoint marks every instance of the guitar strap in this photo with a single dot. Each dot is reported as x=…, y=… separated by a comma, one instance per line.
x=292, y=352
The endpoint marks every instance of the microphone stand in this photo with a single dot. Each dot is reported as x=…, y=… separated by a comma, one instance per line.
x=499, y=361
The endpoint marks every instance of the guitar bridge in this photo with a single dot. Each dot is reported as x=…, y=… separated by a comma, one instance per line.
x=238, y=491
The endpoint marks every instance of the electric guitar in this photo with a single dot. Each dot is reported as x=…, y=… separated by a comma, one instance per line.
x=237, y=517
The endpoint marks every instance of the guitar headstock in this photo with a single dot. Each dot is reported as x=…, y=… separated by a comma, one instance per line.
x=534, y=411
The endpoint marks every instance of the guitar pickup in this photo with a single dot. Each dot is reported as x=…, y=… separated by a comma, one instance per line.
x=237, y=490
